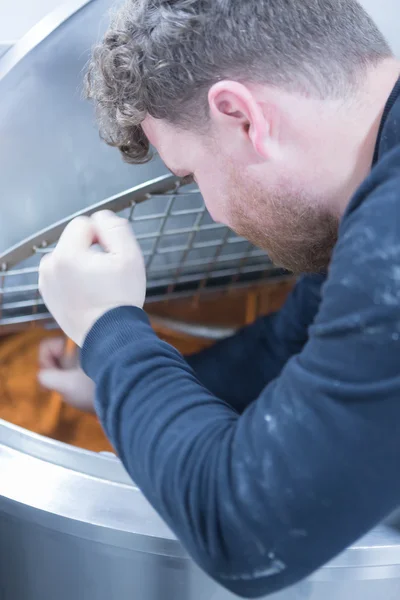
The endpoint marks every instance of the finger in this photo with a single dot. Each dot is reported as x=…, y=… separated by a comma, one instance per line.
x=44, y=266
x=114, y=234
x=45, y=258
x=70, y=358
x=62, y=382
x=57, y=380
x=76, y=390
x=51, y=352
x=77, y=237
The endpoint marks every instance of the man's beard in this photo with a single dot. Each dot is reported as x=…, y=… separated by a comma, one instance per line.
x=297, y=234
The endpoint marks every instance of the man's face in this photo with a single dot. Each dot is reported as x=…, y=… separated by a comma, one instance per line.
x=270, y=203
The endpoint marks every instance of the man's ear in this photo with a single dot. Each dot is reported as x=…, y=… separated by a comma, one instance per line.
x=235, y=110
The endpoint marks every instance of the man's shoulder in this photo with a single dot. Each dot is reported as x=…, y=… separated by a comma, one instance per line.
x=389, y=132
x=378, y=197
x=365, y=267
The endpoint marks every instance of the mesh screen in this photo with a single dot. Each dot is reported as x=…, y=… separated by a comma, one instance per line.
x=185, y=252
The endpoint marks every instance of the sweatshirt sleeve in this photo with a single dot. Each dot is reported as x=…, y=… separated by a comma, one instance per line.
x=239, y=367
x=263, y=499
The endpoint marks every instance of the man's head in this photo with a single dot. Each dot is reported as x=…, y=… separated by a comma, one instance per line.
x=256, y=99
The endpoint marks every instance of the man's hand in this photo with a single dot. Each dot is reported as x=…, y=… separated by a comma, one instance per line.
x=61, y=373
x=79, y=284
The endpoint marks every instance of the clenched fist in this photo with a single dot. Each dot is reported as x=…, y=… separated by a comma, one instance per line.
x=61, y=373
x=79, y=283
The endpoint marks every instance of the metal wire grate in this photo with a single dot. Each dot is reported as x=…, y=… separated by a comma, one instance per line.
x=185, y=252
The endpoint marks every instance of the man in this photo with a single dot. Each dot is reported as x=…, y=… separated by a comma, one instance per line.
x=272, y=452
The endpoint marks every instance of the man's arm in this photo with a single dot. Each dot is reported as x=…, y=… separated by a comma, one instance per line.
x=238, y=368
x=263, y=499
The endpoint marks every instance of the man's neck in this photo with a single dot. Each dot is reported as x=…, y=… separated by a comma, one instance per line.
x=367, y=113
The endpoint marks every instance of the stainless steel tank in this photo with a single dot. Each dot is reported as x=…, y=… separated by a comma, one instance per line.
x=73, y=527
x=72, y=524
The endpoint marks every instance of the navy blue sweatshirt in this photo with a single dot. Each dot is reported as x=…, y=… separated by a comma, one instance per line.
x=272, y=452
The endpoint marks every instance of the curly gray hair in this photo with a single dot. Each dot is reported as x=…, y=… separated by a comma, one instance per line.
x=160, y=57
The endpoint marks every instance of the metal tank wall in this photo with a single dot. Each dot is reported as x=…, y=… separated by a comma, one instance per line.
x=18, y=16
x=52, y=161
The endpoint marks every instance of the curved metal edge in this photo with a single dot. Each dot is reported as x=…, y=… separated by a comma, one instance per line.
x=66, y=473
x=5, y=47
x=86, y=462
x=72, y=502
x=38, y=33
x=63, y=475
x=375, y=556
x=116, y=203
x=108, y=535
x=205, y=332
